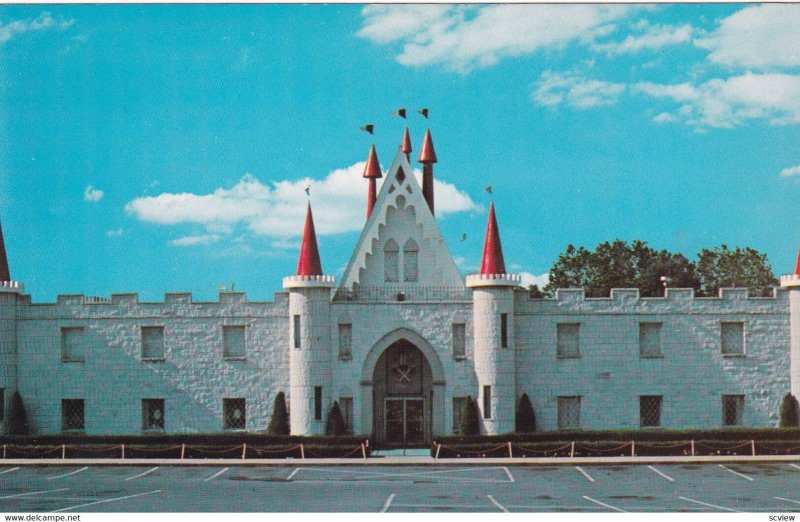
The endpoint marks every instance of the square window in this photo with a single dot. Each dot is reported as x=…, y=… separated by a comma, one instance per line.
x=487, y=402
x=152, y=414
x=234, y=414
x=732, y=410
x=569, y=413
x=459, y=341
x=650, y=411
x=71, y=414
x=568, y=340
x=346, y=407
x=732, y=338
x=72, y=342
x=152, y=343
x=649, y=340
x=345, y=342
x=233, y=342
x=459, y=403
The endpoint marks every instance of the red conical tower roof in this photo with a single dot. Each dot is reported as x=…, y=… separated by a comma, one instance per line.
x=406, y=145
x=493, y=262
x=373, y=167
x=796, y=268
x=309, y=264
x=5, y=275
x=426, y=153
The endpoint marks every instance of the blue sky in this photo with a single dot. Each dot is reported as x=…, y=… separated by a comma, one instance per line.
x=166, y=148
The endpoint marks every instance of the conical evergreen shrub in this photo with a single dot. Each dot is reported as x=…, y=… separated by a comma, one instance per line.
x=525, y=421
x=17, y=420
x=279, y=423
x=470, y=421
x=335, y=424
x=790, y=412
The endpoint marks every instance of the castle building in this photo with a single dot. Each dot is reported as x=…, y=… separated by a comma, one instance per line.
x=399, y=342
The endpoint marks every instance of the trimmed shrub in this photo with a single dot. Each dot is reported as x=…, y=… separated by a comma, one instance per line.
x=17, y=423
x=279, y=423
x=526, y=418
x=335, y=425
x=790, y=412
x=470, y=421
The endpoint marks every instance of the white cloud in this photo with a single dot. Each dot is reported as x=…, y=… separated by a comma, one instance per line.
x=462, y=38
x=115, y=233
x=529, y=279
x=665, y=117
x=791, y=171
x=762, y=37
x=42, y=22
x=733, y=101
x=92, y=194
x=204, y=239
x=278, y=210
x=555, y=89
x=650, y=37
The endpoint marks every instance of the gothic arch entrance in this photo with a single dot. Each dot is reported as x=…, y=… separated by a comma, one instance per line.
x=402, y=393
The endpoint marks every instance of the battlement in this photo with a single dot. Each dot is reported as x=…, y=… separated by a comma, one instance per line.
x=309, y=281
x=132, y=299
x=12, y=286
x=478, y=280
x=790, y=281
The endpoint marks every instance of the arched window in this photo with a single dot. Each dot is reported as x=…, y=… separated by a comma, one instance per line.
x=410, y=264
x=391, y=253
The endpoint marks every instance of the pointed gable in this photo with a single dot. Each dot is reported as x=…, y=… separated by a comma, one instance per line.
x=401, y=243
x=309, y=263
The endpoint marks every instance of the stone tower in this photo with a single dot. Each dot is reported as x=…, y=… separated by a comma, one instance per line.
x=792, y=283
x=493, y=313
x=9, y=295
x=309, y=338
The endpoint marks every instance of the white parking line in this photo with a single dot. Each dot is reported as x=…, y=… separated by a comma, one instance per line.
x=142, y=474
x=296, y=470
x=795, y=466
x=106, y=500
x=787, y=500
x=736, y=472
x=584, y=473
x=709, y=505
x=590, y=499
x=68, y=474
x=217, y=474
x=662, y=474
x=498, y=504
x=34, y=493
x=510, y=476
x=387, y=503
x=8, y=470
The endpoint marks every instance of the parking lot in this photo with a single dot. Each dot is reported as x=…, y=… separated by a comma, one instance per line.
x=749, y=487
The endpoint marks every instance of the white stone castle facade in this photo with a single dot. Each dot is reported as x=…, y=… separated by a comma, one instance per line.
x=399, y=342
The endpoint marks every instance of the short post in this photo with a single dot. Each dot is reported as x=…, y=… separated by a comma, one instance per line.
x=363, y=451
x=4, y=451
x=63, y=451
x=123, y=452
x=438, y=449
x=183, y=450
x=753, y=447
x=302, y=452
x=510, y=451
x=572, y=449
x=633, y=448
x=692, y=441
x=244, y=450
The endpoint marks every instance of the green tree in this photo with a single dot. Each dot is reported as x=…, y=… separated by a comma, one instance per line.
x=790, y=412
x=279, y=422
x=470, y=421
x=737, y=268
x=17, y=422
x=335, y=424
x=525, y=421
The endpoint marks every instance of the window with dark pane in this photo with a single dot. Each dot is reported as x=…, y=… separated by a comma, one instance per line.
x=153, y=343
x=569, y=413
x=234, y=414
x=458, y=411
x=72, y=413
x=487, y=402
x=650, y=411
x=459, y=341
x=153, y=414
x=346, y=407
x=732, y=410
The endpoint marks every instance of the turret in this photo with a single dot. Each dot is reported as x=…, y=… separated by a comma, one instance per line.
x=372, y=171
x=9, y=298
x=309, y=338
x=792, y=283
x=493, y=313
x=427, y=156
x=405, y=147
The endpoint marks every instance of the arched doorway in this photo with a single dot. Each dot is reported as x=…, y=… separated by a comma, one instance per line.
x=402, y=396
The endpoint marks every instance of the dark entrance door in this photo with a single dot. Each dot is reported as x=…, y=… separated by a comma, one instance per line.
x=402, y=397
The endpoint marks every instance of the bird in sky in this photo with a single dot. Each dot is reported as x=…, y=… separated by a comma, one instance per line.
x=308, y=190
x=488, y=189
x=400, y=112
x=424, y=112
x=368, y=128
x=464, y=236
